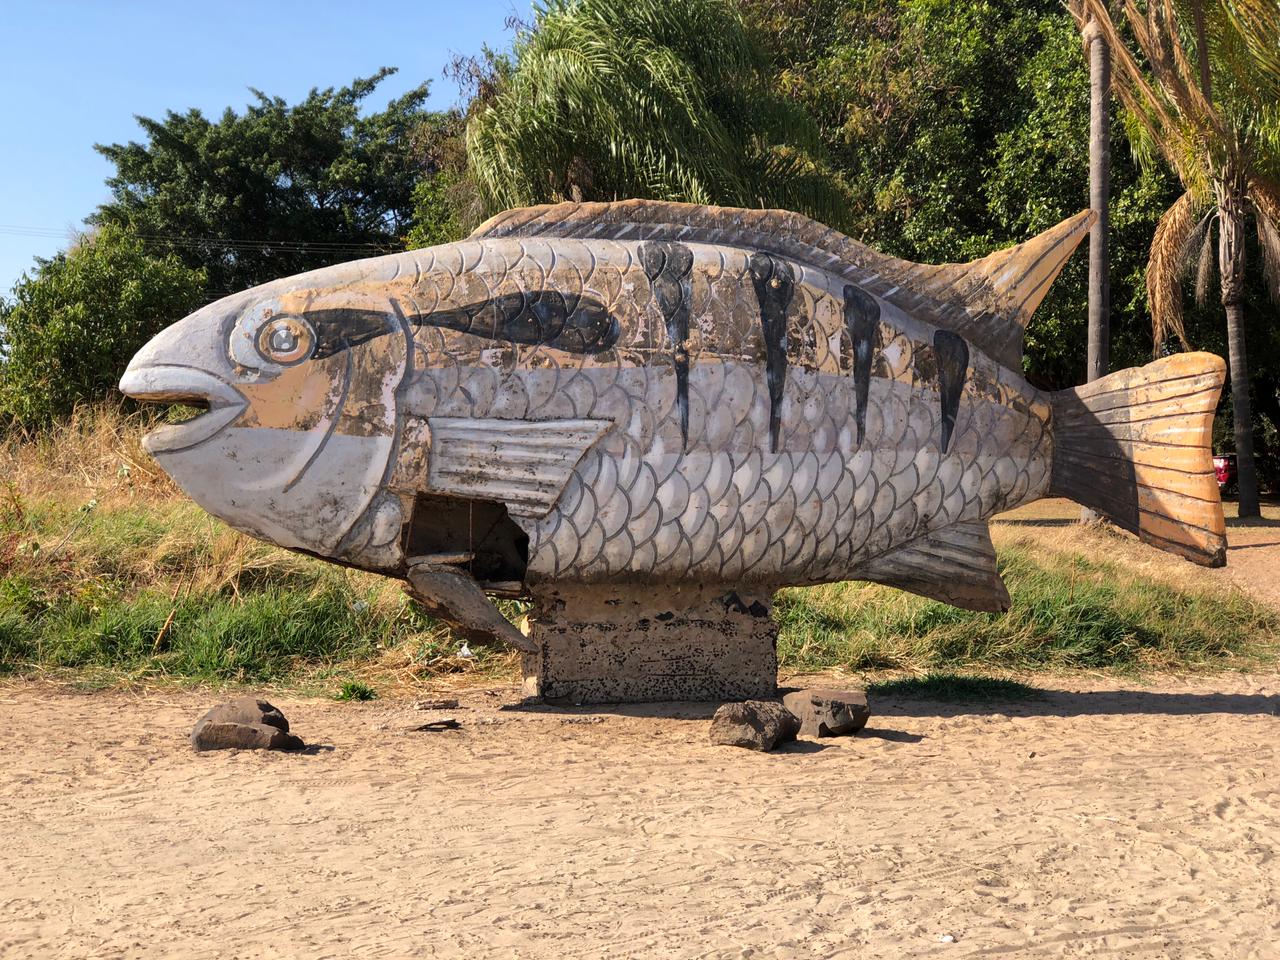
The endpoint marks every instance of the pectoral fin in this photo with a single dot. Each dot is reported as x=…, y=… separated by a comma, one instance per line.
x=454, y=597
x=956, y=565
x=524, y=464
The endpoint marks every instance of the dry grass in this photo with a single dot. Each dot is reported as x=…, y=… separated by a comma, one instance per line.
x=1051, y=526
x=97, y=454
x=108, y=571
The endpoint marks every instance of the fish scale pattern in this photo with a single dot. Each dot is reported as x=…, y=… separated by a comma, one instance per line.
x=648, y=504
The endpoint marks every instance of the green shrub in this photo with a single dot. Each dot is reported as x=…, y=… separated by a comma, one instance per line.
x=354, y=690
x=73, y=326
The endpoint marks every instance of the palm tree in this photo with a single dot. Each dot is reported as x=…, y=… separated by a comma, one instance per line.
x=664, y=99
x=1098, y=54
x=1203, y=88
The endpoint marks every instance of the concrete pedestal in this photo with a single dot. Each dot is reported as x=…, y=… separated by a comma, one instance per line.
x=607, y=644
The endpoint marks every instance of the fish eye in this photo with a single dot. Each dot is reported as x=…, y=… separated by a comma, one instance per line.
x=286, y=340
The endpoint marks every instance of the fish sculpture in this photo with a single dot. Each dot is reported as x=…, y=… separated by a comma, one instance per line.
x=641, y=399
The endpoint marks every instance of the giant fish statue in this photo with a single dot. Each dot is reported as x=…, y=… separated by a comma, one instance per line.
x=649, y=416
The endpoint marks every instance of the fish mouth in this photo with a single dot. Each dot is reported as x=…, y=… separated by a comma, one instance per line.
x=177, y=386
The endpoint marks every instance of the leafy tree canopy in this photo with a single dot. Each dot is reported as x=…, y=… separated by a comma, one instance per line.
x=646, y=98
x=963, y=128
x=444, y=197
x=274, y=190
x=75, y=323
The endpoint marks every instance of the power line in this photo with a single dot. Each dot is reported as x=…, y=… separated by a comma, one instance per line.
x=229, y=243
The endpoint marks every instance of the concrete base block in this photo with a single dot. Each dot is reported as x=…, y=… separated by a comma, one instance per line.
x=602, y=643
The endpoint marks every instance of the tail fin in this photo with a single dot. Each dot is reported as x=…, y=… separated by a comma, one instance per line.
x=1137, y=447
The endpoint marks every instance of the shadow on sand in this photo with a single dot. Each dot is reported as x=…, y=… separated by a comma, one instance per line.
x=1048, y=703
x=802, y=746
x=671, y=710
x=1252, y=522
x=1033, y=522
x=1042, y=703
x=892, y=736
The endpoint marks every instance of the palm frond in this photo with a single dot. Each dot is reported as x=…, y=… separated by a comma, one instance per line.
x=1191, y=248
x=1266, y=208
x=1165, y=268
x=1258, y=23
x=1167, y=89
x=649, y=98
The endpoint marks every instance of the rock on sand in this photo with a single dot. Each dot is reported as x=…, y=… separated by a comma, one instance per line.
x=755, y=724
x=828, y=713
x=244, y=724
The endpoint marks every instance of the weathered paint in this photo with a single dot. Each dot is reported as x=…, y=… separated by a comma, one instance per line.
x=664, y=394
x=862, y=321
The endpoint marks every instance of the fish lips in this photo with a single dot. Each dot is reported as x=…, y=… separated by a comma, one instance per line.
x=173, y=383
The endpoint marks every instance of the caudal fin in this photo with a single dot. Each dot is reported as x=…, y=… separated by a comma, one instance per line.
x=1137, y=447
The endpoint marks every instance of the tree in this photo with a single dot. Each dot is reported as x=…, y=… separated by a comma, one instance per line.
x=666, y=99
x=963, y=128
x=1203, y=89
x=444, y=196
x=1099, y=198
x=911, y=96
x=74, y=325
x=274, y=190
x=1099, y=56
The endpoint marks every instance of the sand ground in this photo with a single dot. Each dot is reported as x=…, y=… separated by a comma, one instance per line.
x=1100, y=820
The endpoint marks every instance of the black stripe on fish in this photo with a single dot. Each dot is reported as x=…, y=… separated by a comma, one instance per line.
x=669, y=267
x=339, y=330
x=952, y=354
x=546, y=318
x=774, y=281
x=862, y=320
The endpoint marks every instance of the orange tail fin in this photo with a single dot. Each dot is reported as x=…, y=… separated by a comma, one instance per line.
x=1137, y=446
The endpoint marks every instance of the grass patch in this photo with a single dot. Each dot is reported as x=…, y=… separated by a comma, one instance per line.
x=1069, y=612
x=953, y=687
x=159, y=589
x=106, y=569
x=357, y=691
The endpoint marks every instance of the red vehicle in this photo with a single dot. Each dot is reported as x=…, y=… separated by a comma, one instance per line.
x=1225, y=468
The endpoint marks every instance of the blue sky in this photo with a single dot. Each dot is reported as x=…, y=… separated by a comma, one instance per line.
x=75, y=72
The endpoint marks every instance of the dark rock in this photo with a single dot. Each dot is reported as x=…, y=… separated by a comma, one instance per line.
x=755, y=724
x=244, y=736
x=244, y=724
x=247, y=710
x=828, y=713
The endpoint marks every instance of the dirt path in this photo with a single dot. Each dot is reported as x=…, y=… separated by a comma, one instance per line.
x=1137, y=822
x=1253, y=555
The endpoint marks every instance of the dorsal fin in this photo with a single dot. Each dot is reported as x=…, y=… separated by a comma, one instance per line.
x=988, y=301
